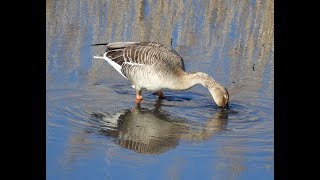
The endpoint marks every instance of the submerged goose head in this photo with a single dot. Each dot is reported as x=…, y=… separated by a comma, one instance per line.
x=218, y=92
x=220, y=96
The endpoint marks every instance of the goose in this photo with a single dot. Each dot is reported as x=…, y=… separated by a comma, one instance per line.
x=155, y=66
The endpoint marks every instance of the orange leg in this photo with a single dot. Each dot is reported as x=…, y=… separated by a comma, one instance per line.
x=138, y=96
x=160, y=94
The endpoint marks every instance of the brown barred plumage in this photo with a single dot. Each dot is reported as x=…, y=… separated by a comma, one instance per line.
x=154, y=66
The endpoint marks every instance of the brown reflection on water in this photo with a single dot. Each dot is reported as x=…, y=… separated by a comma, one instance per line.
x=142, y=130
x=153, y=131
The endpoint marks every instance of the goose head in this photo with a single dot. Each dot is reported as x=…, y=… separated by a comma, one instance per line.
x=220, y=95
x=218, y=92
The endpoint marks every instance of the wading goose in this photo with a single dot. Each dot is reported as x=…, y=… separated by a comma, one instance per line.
x=154, y=66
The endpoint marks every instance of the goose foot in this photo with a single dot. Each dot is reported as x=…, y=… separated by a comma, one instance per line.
x=138, y=101
x=138, y=95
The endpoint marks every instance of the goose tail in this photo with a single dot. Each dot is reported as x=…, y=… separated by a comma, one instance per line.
x=115, y=45
x=99, y=44
x=119, y=45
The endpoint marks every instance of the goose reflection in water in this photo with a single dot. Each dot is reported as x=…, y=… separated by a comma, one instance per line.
x=153, y=131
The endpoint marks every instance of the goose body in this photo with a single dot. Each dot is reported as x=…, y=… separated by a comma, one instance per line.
x=154, y=66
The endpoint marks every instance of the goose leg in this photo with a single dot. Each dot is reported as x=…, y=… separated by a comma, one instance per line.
x=138, y=95
x=160, y=94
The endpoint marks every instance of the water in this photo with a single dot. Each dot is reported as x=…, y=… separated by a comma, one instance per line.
x=95, y=130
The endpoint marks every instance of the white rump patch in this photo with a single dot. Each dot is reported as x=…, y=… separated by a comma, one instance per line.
x=98, y=57
x=113, y=64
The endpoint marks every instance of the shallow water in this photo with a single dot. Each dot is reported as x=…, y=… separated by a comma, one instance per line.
x=95, y=130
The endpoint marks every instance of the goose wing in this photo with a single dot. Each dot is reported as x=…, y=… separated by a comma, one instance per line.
x=125, y=55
